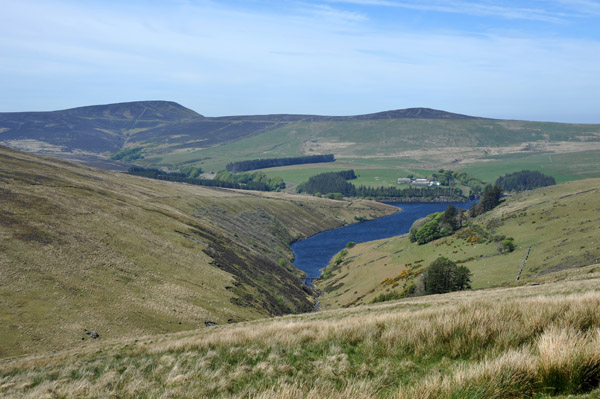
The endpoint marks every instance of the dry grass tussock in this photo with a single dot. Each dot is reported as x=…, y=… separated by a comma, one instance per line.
x=480, y=345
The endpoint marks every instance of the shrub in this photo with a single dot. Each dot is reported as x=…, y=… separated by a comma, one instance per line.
x=508, y=245
x=443, y=275
x=128, y=155
x=340, y=257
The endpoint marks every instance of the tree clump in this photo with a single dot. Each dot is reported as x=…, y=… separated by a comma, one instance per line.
x=128, y=155
x=254, y=180
x=437, y=225
x=258, y=181
x=524, y=180
x=330, y=182
x=489, y=200
x=442, y=276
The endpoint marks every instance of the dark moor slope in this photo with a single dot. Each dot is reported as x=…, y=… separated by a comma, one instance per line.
x=105, y=129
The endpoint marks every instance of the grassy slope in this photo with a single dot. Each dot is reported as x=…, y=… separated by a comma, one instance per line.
x=122, y=255
x=408, y=143
x=560, y=223
x=563, y=167
x=520, y=342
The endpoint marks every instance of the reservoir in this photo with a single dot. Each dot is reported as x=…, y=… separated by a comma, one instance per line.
x=313, y=254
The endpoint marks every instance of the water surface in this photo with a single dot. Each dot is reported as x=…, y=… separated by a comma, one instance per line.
x=314, y=253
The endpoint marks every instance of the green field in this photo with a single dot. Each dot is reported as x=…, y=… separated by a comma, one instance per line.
x=380, y=151
x=563, y=167
x=370, y=172
x=368, y=175
x=174, y=137
x=385, y=171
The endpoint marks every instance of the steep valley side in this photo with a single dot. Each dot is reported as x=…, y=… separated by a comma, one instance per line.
x=82, y=248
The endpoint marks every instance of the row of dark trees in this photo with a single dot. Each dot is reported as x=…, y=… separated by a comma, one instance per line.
x=252, y=164
x=182, y=178
x=524, y=180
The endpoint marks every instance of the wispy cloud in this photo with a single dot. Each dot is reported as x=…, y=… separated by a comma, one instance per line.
x=337, y=14
x=585, y=8
x=494, y=9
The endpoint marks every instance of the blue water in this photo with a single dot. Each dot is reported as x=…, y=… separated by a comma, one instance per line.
x=314, y=253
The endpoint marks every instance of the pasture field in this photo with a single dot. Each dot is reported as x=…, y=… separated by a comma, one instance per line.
x=563, y=167
x=377, y=172
x=370, y=172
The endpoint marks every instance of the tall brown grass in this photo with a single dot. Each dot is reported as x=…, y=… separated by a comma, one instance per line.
x=489, y=344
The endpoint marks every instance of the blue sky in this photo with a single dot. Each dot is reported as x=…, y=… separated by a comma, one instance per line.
x=534, y=60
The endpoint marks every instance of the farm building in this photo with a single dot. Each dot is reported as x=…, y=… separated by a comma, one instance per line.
x=420, y=182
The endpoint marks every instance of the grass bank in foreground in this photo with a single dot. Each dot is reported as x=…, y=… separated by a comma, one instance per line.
x=537, y=341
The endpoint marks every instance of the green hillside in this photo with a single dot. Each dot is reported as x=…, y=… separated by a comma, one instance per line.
x=424, y=141
x=82, y=248
x=381, y=151
x=560, y=224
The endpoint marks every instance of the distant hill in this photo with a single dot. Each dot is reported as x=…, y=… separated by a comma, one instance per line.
x=100, y=130
x=412, y=113
x=136, y=111
x=173, y=136
x=97, y=130
x=128, y=256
